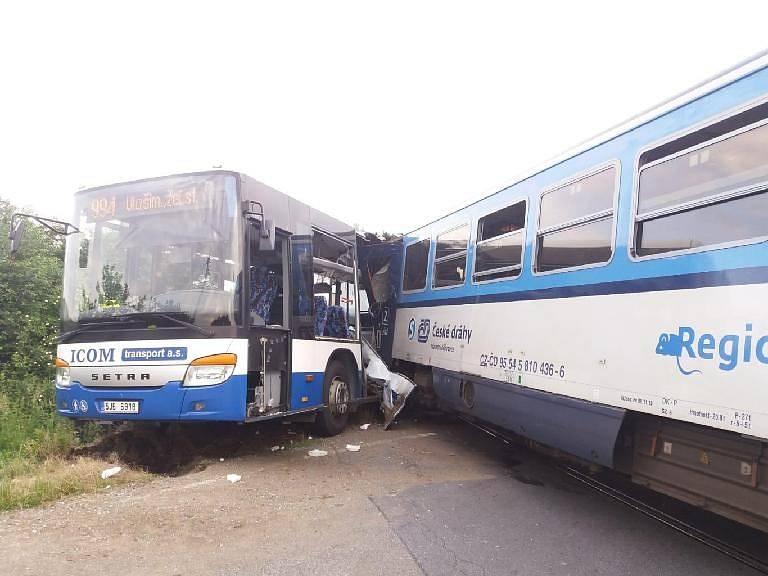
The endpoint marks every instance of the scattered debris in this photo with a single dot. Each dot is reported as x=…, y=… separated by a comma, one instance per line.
x=395, y=387
x=109, y=472
x=364, y=427
x=353, y=447
x=234, y=478
x=317, y=452
x=275, y=448
x=221, y=459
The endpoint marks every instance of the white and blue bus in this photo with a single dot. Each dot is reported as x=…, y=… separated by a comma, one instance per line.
x=208, y=296
x=612, y=303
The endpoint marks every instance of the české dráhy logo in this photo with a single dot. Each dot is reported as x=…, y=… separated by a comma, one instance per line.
x=412, y=329
x=423, y=331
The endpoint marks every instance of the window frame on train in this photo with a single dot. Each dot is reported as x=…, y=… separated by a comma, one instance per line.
x=405, y=266
x=724, y=197
x=480, y=243
x=454, y=256
x=575, y=223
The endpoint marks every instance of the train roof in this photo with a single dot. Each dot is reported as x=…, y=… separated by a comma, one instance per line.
x=732, y=74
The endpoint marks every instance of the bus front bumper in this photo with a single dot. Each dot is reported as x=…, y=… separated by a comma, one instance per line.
x=221, y=402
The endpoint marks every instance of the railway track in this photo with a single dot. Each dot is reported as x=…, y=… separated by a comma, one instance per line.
x=616, y=493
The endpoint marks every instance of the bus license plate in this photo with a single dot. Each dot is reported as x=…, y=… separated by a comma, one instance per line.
x=121, y=407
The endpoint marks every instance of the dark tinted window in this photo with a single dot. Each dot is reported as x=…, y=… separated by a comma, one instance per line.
x=735, y=220
x=499, y=248
x=415, y=274
x=730, y=164
x=451, y=258
x=578, y=199
x=450, y=272
x=501, y=222
x=505, y=252
x=571, y=247
x=452, y=242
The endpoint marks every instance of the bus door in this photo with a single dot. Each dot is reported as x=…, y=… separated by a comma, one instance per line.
x=268, y=324
x=380, y=277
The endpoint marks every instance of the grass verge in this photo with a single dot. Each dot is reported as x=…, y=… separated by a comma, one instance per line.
x=24, y=484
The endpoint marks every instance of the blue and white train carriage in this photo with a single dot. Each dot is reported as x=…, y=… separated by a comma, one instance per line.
x=612, y=304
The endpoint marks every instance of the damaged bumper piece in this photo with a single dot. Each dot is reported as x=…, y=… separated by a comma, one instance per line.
x=395, y=388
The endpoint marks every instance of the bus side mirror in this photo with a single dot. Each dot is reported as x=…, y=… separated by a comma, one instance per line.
x=18, y=222
x=15, y=234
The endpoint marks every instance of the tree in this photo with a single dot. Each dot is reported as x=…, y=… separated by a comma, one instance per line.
x=30, y=294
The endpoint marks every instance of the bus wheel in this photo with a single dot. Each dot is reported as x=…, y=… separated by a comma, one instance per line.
x=336, y=393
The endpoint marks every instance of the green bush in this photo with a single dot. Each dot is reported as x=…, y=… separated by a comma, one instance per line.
x=30, y=293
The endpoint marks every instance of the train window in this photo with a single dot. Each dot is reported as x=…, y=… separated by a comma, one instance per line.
x=712, y=194
x=590, y=195
x=509, y=219
x=499, y=249
x=451, y=258
x=576, y=223
x=415, y=273
x=577, y=246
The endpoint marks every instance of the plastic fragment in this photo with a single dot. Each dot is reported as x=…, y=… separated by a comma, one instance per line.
x=353, y=447
x=364, y=427
x=234, y=478
x=317, y=453
x=221, y=459
x=275, y=448
x=109, y=472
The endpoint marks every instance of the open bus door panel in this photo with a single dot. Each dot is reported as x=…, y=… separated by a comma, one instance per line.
x=380, y=276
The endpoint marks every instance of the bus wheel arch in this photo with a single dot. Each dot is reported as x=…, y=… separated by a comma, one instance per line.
x=340, y=381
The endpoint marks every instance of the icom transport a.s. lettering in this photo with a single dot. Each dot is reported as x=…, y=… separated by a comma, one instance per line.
x=107, y=355
x=726, y=351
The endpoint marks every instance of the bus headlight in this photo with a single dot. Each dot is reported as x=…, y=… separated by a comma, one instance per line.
x=210, y=370
x=63, y=379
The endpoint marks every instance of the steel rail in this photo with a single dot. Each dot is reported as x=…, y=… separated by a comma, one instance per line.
x=660, y=516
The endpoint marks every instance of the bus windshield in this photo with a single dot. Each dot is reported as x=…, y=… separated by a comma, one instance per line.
x=167, y=245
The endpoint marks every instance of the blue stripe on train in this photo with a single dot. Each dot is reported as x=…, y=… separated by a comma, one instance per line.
x=742, y=276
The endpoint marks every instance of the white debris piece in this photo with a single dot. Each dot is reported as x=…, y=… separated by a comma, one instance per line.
x=317, y=452
x=234, y=478
x=395, y=387
x=109, y=472
x=221, y=459
x=353, y=447
x=275, y=448
x=365, y=427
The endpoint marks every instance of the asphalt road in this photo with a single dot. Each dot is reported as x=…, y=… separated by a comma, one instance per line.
x=427, y=497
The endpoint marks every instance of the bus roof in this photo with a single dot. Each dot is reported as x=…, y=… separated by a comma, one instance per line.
x=285, y=211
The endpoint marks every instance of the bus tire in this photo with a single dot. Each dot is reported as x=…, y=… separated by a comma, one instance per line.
x=337, y=386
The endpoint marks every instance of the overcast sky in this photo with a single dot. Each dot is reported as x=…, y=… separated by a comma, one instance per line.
x=383, y=114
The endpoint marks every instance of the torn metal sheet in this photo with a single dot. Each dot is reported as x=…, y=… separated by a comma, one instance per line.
x=395, y=387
